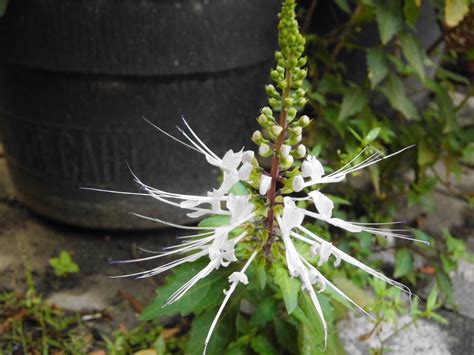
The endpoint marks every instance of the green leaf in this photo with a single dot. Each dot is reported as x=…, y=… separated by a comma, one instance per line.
x=260, y=271
x=403, y=263
x=413, y=53
x=411, y=10
x=377, y=66
x=354, y=292
x=160, y=345
x=266, y=311
x=425, y=155
x=214, y=221
x=454, y=11
x=262, y=346
x=239, y=189
x=389, y=18
x=203, y=296
x=394, y=91
x=439, y=318
x=432, y=298
x=286, y=335
x=344, y=6
x=220, y=337
x=373, y=134
x=290, y=287
x=63, y=265
x=353, y=102
x=444, y=284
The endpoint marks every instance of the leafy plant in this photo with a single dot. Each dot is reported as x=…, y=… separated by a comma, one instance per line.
x=63, y=265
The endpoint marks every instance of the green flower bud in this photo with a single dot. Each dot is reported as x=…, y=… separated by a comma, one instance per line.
x=264, y=150
x=287, y=162
x=291, y=114
x=263, y=120
x=276, y=130
x=288, y=102
x=257, y=137
x=282, y=84
x=300, y=151
x=271, y=91
x=267, y=111
x=297, y=84
x=274, y=103
x=297, y=130
x=275, y=76
x=301, y=102
x=285, y=151
x=299, y=93
x=303, y=121
x=302, y=61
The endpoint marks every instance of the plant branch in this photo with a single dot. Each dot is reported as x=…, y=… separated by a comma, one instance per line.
x=275, y=169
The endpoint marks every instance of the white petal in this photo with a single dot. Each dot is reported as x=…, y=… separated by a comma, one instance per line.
x=323, y=204
x=236, y=277
x=324, y=252
x=285, y=150
x=248, y=156
x=244, y=171
x=298, y=183
x=265, y=182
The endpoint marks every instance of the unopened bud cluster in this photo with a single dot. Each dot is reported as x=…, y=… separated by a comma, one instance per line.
x=281, y=133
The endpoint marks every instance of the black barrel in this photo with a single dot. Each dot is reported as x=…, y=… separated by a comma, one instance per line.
x=76, y=77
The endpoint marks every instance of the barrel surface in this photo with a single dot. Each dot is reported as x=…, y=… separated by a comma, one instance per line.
x=139, y=37
x=70, y=124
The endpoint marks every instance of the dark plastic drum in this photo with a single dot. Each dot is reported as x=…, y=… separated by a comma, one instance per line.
x=76, y=77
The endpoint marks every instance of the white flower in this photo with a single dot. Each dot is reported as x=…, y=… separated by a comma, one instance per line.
x=218, y=244
x=265, y=182
x=285, y=150
x=298, y=183
x=312, y=167
x=323, y=204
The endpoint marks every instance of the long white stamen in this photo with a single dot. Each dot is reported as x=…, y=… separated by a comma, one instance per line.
x=199, y=140
x=169, y=223
x=170, y=135
x=226, y=299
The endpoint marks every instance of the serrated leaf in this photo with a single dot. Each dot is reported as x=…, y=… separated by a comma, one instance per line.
x=394, y=91
x=262, y=346
x=205, y=295
x=403, y=263
x=377, y=66
x=413, y=53
x=290, y=287
x=389, y=18
x=266, y=311
x=353, y=102
x=220, y=337
x=455, y=11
